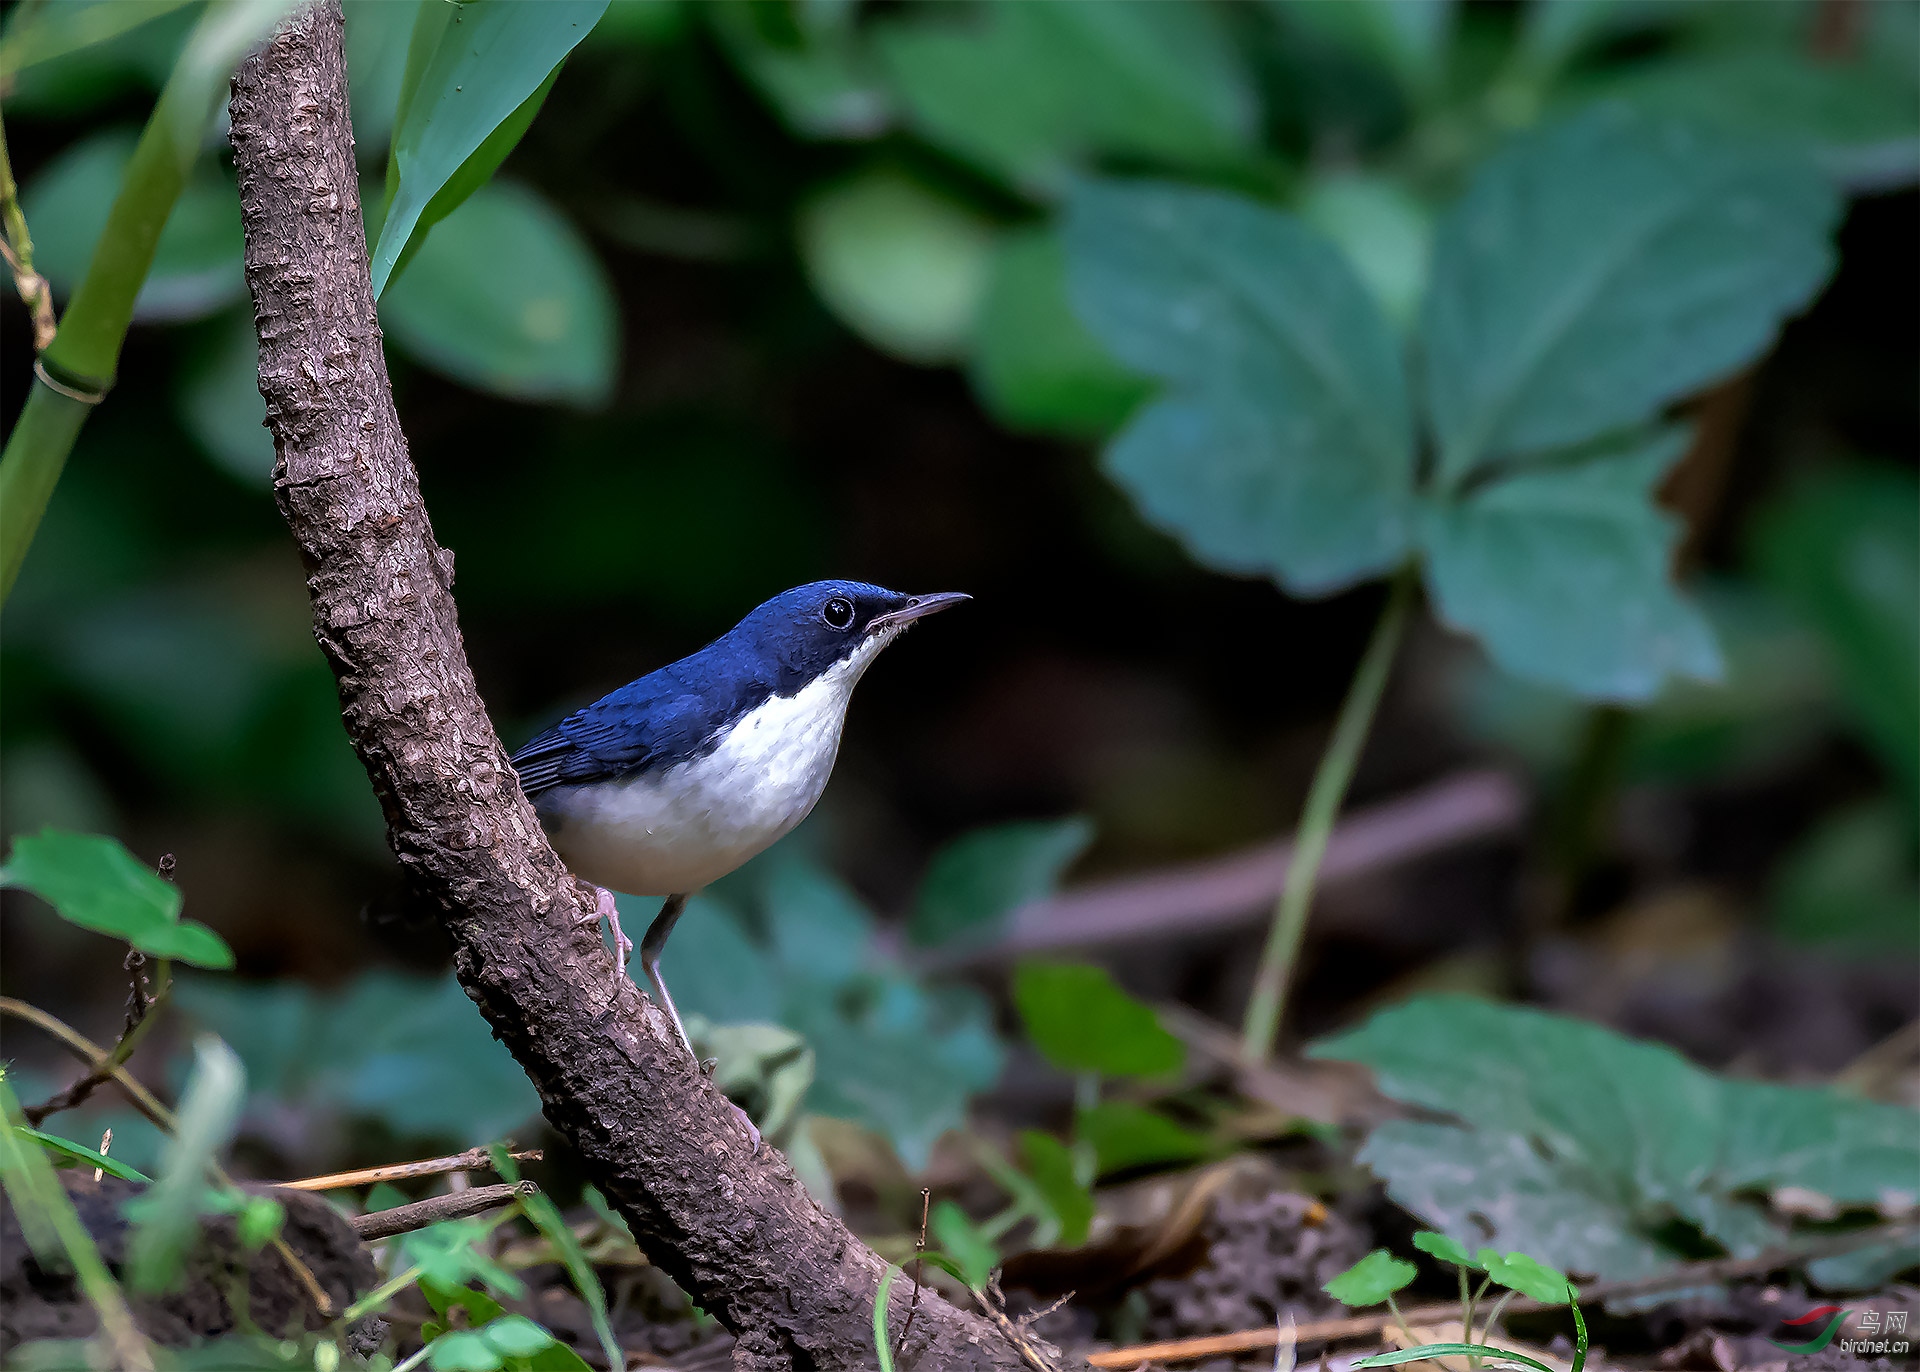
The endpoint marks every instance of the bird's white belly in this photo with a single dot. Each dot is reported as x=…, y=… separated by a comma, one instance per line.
x=676, y=830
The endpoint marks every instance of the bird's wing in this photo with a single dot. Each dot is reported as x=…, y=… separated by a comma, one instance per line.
x=615, y=736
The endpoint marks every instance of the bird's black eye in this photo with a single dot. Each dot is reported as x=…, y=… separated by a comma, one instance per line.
x=838, y=613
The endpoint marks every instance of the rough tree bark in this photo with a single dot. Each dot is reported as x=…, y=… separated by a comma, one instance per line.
x=732, y=1226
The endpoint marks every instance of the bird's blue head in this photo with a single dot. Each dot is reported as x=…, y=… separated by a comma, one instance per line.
x=815, y=627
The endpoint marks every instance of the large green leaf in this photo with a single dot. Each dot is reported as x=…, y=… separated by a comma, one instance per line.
x=1604, y=266
x=507, y=297
x=899, y=1058
x=94, y=882
x=1776, y=700
x=902, y=265
x=1563, y=574
x=196, y=264
x=1860, y=120
x=1082, y=1022
x=1385, y=232
x=979, y=879
x=491, y=62
x=411, y=1052
x=1583, y=1148
x=1027, y=88
x=1844, y=549
x=1285, y=444
x=1034, y=363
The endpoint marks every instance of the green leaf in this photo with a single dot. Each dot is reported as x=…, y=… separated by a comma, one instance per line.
x=1371, y=1280
x=817, y=77
x=1586, y=1149
x=1518, y=1272
x=448, y=1255
x=545, y=1216
x=261, y=1220
x=196, y=269
x=94, y=882
x=168, y=1218
x=1854, y=117
x=816, y=926
x=219, y=402
x=1562, y=573
x=1034, y=364
x=961, y=1240
x=763, y=1068
x=901, y=265
x=1602, y=267
x=1285, y=444
x=1028, y=88
x=1844, y=549
x=903, y=1059
x=463, y=1350
x=713, y=968
x=516, y=1336
x=507, y=297
x=1384, y=231
x=1407, y=38
x=79, y=1152
x=412, y=1052
x=42, y=33
x=1081, y=1022
x=1850, y=883
x=1050, y=1164
x=473, y=99
x=975, y=882
x=1446, y=1248
x=1125, y=1136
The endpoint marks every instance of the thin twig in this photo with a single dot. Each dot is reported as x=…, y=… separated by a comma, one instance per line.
x=471, y=1160
x=1014, y=1331
x=1708, y=1273
x=455, y=1205
x=17, y=248
x=919, y=1262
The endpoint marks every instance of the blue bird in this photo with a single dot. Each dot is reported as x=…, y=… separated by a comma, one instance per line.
x=676, y=779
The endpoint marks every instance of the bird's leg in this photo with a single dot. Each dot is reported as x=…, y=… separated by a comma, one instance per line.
x=606, y=908
x=650, y=949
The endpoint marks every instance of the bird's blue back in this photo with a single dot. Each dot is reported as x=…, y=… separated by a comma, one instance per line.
x=683, y=709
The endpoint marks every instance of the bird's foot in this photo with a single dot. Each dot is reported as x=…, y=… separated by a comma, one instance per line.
x=753, y=1130
x=605, y=908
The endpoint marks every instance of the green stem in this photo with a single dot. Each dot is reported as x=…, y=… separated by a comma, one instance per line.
x=381, y=1294
x=1330, y=781
x=86, y=351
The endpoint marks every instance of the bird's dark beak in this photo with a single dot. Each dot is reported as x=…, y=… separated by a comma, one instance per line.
x=919, y=607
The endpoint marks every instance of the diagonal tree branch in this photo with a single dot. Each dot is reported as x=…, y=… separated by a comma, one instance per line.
x=731, y=1224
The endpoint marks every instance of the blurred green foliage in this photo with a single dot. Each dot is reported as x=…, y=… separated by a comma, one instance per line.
x=1336, y=286
x=1584, y=1148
